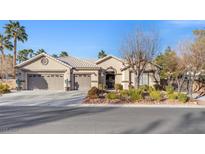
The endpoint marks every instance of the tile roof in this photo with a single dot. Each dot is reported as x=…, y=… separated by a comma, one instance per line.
x=78, y=63
x=107, y=57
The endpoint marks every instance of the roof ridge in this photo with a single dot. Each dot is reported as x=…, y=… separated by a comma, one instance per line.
x=77, y=62
x=104, y=58
x=83, y=60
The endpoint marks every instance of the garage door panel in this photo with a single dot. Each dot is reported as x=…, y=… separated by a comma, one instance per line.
x=83, y=82
x=46, y=81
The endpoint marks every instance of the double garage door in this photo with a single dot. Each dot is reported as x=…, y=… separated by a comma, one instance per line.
x=46, y=81
x=82, y=82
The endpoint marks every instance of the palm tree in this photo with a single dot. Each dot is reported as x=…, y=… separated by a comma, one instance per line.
x=4, y=44
x=55, y=55
x=24, y=55
x=18, y=33
x=63, y=54
x=40, y=51
x=102, y=54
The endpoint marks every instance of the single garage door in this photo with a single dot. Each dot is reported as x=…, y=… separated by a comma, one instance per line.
x=46, y=81
x=82, y=81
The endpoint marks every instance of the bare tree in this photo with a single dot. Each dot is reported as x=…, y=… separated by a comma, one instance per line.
x=139, y=49
x=192, y=56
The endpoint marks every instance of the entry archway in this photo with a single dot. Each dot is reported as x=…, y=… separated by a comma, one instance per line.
x=110, y=77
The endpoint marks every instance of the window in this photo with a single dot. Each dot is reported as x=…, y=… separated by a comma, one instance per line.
x=144, y=80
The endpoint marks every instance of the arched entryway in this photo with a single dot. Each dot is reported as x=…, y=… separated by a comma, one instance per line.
x=110, y=78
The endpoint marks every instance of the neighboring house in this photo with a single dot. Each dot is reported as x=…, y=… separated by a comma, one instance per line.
x=70, y=73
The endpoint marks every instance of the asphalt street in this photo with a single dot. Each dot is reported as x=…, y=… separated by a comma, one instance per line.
x=92, y=120
x=62, y=112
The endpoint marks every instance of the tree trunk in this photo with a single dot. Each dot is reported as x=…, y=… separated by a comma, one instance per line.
x=2, y=63
x=14, y=58
x=180, y=83
x=137, y=80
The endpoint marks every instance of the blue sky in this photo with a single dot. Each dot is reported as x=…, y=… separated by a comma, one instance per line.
x=86, y=38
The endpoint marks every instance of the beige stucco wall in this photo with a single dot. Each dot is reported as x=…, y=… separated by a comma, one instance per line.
x=36, y=67
x=52, y=65
x=125, y=78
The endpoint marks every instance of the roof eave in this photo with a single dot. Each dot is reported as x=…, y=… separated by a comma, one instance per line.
x=38, y=56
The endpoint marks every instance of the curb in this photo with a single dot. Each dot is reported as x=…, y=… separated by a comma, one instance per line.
x=137, y=106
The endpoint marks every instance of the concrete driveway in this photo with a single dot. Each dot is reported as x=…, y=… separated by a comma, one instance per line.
x=42, y=98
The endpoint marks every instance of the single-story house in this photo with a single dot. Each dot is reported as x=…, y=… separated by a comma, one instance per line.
x=70, y=73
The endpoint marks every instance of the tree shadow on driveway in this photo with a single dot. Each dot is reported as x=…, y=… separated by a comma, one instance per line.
x=16, y=117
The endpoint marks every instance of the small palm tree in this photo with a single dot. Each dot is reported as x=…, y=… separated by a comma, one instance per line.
x=40, y=51
x=55, y=55
x=24, y=55
x=4, y=44
x=102, y=54
x=63, y=54
x=18, y=33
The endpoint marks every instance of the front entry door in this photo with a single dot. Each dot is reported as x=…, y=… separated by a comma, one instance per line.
x=110, y=80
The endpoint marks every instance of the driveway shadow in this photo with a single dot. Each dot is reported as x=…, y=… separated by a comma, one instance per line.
x=16, y=117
